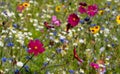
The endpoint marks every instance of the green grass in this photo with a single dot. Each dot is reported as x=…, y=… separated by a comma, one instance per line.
x=60, y=62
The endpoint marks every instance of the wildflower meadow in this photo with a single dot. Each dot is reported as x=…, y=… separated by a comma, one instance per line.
x=59, y=36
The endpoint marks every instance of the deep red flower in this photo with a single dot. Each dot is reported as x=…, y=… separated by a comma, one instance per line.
x=73, y=19
x=35, y=47
x=47, y=25
x=82, y=9
x=92, y=10
x=76, y=56
x=94, y=65
x=82, y=4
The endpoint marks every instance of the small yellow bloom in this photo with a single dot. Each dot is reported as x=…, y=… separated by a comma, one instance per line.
x=25, y=4
x=58, y=8
x=118, y=19
x=94, y=29
x=97, y=28
x=63, y=52
x=101, y=12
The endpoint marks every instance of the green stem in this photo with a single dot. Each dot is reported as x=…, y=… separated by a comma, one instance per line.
x=26, y=62
x=43, y=67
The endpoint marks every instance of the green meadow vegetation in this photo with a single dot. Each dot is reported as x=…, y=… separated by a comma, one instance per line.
x=59, y=36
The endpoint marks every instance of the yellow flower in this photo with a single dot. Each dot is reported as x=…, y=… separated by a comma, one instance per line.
x=58, y=8
x=97, y=28
x=101, y=12
x=118, y=19
x=25, y=4
x=94, y=29
x=63, y=52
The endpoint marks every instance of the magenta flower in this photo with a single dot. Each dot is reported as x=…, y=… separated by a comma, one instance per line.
x=92, y=10
x=73, y=19
x=82, y=9
x=35, y=47
x=94, y=65
x=55, y=21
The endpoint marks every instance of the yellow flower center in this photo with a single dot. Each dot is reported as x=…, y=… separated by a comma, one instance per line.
x=58, y=8
x=101, y=12
x=25, y=4
x=94, y=29
x=74, y=19
x=35, y=47
x=94, y=66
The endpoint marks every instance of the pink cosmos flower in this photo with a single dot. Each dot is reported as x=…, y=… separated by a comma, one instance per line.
x=20, y=8
x=35, y=47
x=55, y=21
x=73, y=19
x=82, y=9
x=94, y=65
x=92, y=10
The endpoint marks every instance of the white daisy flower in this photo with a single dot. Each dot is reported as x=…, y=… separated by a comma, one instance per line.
x=19, y=64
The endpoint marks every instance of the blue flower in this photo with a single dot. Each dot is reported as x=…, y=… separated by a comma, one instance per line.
x=45, y=63
x=2, y=3
x=16, y=71
x=10, y=44
x=55, y=33
x=28, y=57
x=58, y=50
x=62, y=40
x=71, y=71
x=106, y=40
x=93, y=25
x=108, y=3
x=113, y=45
x=5, y=12
x=4, y=59
x=102, y=28
x=15, y=25
x=87, y=19
x=26, y=68
x=24, y=46
x=82, y=21
x=10, y=59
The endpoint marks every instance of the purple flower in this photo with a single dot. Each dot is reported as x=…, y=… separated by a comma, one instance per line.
x=92, y=10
